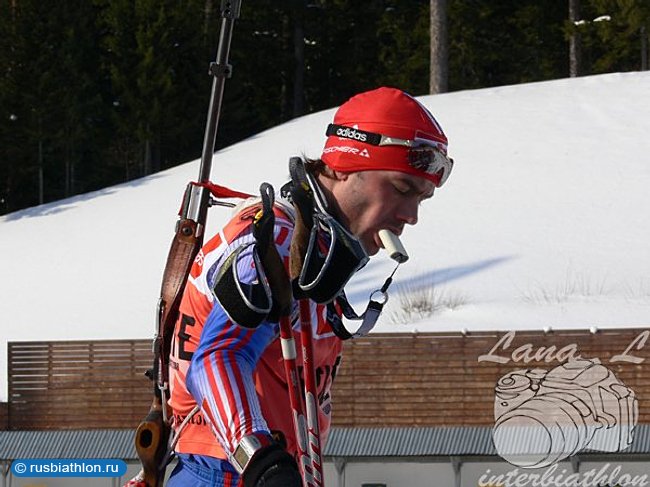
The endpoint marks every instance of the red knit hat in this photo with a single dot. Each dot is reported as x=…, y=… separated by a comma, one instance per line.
x=353, y=139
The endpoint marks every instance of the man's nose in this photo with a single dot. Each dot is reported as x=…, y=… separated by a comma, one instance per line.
x=409, y=213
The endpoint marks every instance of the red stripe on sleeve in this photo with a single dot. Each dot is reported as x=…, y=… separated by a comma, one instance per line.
x=227, y=351
x=221, y=411
x=239, y=383
x=282, y=236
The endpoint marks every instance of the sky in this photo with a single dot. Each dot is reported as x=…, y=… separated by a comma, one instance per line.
x=543, y=224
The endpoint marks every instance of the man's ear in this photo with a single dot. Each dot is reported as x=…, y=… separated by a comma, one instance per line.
x=333, y=175
x=340, y=176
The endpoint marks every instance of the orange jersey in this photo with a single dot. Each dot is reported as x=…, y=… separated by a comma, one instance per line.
x=236, y=375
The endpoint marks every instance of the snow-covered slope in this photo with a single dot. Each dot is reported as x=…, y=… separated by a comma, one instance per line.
x=544, y=222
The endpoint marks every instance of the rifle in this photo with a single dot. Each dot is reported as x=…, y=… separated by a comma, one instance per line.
x=152, y=435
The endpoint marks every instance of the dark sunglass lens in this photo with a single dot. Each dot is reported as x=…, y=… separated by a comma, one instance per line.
x=421, y=158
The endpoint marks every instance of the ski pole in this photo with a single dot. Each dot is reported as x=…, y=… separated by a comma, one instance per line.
x=311, y=391
x=296, y=400
x=307, y=432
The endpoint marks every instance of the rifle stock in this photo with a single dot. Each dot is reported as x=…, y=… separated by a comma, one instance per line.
x=151, y=443
x=153, y=433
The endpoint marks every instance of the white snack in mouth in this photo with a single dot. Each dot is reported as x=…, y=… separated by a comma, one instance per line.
x=393, y=246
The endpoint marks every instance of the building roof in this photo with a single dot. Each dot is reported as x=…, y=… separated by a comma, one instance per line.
x=408, y=441
x=67, y=444
x=342, y=442
x=437, y=441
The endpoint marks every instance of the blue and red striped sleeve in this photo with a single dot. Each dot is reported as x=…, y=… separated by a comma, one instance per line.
x=220, y=377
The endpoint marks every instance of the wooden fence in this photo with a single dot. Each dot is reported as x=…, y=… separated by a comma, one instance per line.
x=437, y=379
x=427, y=379
x=78, y=384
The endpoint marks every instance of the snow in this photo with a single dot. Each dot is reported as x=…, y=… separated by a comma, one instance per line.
x=544, y=223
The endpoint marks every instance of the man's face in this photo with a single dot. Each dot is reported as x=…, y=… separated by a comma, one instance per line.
x=370, y=201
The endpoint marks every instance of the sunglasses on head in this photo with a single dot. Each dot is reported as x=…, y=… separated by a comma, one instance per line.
x=423, y=154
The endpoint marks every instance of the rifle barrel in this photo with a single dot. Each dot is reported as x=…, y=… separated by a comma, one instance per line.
x=221, y=70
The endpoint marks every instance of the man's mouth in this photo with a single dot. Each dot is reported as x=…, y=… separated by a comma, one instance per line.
x=377, y=240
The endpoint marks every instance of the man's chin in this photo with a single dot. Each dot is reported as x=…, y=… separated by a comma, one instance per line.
x=372, y=251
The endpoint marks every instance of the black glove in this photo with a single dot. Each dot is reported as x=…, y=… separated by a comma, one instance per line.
x=272, y=467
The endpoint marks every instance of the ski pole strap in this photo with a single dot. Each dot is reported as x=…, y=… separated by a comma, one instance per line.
x=267, y=296
x=369, y=317
x=325, y=255
x=247, y=304
x=276, y=273
x=299, y=190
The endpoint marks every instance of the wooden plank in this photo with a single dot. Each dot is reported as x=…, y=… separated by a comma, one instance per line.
x=4, y=416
